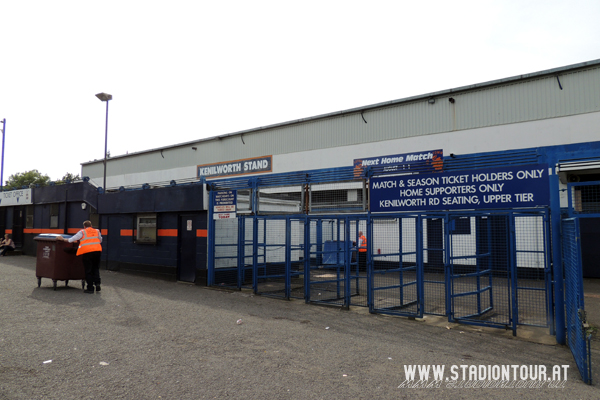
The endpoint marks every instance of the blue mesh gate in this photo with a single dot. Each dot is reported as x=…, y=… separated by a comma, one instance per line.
x=279, y=256
x=335, y=275
x=396, y=265
x=472, y=270
x=577, y=337
x=488, y=269
x=231, y=253
x=499, y=268
x=436, y=280
x=266, y=254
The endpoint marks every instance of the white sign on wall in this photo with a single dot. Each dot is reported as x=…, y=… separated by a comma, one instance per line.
x=225, y=204
x=15, y=198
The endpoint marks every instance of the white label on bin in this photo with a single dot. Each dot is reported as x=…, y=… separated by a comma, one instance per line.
x=46, y=252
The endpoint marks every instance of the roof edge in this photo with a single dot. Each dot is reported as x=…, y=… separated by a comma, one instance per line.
x=516, y=78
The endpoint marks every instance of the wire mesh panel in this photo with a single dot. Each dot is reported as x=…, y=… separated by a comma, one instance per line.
x=357, y=263
x=396, y=272
x=577, y=337
x=226, y=238
x=271, y=272
x=480, y=271
x=488, y=268
x=433, y=251
x=532, y=273
x=244, y=201
x=281, y=200
x=339, y=197
x=327, y=266
x=246, y=252
x=296, y=257
x=584, y=198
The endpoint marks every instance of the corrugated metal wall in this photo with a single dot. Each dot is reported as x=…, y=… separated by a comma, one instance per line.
x=514, y=102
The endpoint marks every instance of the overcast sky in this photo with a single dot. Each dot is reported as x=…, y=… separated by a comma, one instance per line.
x=182, y=70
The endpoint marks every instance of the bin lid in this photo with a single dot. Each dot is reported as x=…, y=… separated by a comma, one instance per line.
x=51, y=236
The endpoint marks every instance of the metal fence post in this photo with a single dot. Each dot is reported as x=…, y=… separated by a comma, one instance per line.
x=288, y=258
x=369, y=266
x=448, y=270
x=420, y=266
x=512, y=262
x=254, y=254
x=548, y=276
x=307, y=245
x=559, y=283
x=241, y=250
x=211, y=240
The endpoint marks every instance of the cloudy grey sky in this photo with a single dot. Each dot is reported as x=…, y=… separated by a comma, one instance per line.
x=181, y=70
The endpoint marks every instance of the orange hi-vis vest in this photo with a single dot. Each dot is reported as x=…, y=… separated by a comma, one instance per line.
x=363, y=244
x=89, y=242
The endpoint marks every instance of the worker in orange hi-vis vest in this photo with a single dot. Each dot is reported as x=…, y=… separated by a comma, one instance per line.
x=90, y=249
x=362, y=252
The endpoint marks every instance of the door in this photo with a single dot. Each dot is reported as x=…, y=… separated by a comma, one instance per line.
x=17, y=226
x=186, y=258
x=590, y=251
x=2, y=220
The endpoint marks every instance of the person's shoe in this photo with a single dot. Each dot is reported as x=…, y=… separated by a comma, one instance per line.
x=89, y=290
x=98, y=288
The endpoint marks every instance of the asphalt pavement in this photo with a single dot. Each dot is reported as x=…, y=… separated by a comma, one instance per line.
x=145, y=338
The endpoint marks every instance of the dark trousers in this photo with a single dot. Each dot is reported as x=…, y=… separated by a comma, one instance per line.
x=5, y=249
x=91, y=264
x=362, y=261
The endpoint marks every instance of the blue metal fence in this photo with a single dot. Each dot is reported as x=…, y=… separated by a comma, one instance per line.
x=482, y=268
x=578, y=338
x=396, y=266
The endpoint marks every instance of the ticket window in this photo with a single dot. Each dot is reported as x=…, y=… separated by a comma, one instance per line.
x=146, y=228
x=54, y=216
x=29, y=217
x=94, y=217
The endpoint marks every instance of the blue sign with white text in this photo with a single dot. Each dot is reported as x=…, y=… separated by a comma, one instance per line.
x=507, y=187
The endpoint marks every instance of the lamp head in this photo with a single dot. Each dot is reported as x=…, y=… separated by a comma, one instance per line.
x=104, y=96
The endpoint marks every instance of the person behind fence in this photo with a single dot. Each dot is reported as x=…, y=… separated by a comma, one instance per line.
x=90, y=249
x=6, y=245
x=362, y=252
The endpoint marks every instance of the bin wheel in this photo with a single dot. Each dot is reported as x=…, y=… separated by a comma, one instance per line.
x=54, y=284
x=39, y=282
x=66, y=283
x=83, y=284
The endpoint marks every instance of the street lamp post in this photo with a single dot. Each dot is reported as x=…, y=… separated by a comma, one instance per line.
x=106, y=98
x=2, y=170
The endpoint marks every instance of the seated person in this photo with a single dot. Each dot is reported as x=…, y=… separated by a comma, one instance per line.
x=6, y=245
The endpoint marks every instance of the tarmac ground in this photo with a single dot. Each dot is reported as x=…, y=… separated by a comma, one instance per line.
x=591, y=299
x=145, y=338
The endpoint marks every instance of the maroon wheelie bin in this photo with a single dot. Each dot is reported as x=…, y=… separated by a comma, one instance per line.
x=56, y=260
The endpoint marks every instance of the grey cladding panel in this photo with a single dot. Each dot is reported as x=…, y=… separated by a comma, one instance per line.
x=512, y=102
